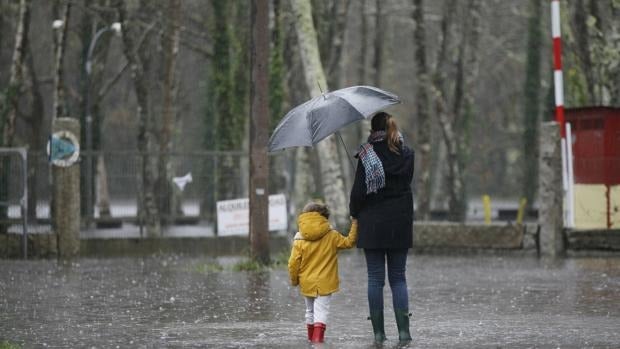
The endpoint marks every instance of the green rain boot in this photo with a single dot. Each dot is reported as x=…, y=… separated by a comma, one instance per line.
x=376, y=318
x=402, y=322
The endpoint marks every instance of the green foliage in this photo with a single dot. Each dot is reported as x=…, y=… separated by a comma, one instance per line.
x=249, y=265
x=8, y=345
x=220, y=86
x=227, y=92
x=576, y=88
x=228, y=77
x=279, y=261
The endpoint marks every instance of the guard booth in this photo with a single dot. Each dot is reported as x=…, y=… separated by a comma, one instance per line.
x=596, y=165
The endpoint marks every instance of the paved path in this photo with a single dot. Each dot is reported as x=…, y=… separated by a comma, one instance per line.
x=182, y=302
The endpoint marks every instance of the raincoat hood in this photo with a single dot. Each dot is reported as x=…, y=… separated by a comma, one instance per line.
x=312, y=226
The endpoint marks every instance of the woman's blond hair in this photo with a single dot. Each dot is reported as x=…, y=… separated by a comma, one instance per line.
x=383, y=121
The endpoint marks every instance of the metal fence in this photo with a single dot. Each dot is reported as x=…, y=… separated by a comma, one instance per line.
x=116, y=186
x=14, y=191
x=190, y=210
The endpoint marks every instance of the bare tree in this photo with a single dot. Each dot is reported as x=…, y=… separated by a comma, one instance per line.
x=10, y=99
x=148, y=208
x=423, y=136
x=364, y=126
x=330, y=166
x=531, y=93
x=35, y=120
x=168, y=199
x=592, y=52
x=10, y=96
x=457, y=115
x=60, y=45
x=302, y=183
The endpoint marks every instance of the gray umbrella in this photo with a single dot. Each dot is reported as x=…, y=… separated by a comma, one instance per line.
x=314, y=120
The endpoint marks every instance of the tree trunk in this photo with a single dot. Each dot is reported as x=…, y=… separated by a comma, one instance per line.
x=423, y=137
x=438, y=88
x=9, y=102
x=229, y=105
x=259, y=123
x=331, y=171
x=166, y=170
x=59, y=91
x=37, y=139
x=148, y=208
x=91, y=106
x=531, y=109
x=340, y=12
x=614, y=27
x=301, y=181
x=454, y=184
x=378, y=47
x=457, y=144
x=11, y=94
x=278, y=175
x=458, y=116
x=363, y=126
x=468, y=112
x=583, y=43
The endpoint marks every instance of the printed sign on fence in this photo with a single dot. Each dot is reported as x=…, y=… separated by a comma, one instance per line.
x=233, y=216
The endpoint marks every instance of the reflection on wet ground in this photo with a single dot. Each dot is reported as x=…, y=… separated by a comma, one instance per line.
x=188, y=302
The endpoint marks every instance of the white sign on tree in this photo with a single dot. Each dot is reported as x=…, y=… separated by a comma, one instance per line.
x=233, y=216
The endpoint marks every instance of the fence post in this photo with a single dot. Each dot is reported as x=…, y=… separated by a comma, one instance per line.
x=550, y=191
x=66, y=199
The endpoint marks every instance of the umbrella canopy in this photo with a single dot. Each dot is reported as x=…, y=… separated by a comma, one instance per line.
x=314, y=120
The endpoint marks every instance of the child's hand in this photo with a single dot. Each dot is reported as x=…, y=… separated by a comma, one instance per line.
x=353, y=220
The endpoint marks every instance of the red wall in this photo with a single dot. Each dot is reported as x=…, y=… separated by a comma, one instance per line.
x=596, y=144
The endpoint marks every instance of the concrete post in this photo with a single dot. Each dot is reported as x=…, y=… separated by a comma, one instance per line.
x=66, y=200
x=550, y=191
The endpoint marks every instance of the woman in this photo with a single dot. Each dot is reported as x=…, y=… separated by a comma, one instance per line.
x=382, y=202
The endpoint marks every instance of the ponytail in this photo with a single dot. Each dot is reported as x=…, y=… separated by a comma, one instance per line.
x=392, y=135
x=383, y=121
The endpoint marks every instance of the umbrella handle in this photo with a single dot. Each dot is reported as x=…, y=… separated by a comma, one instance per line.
x=346, y=150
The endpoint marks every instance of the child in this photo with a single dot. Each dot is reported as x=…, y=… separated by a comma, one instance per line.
x=313, y=264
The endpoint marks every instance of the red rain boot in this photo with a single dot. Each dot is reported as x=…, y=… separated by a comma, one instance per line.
x=310, y=331
x=319, y=332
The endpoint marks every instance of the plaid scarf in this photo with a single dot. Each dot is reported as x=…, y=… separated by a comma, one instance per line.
x=375, y=176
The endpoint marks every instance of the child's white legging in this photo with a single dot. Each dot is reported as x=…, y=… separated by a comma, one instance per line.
x=317, y=309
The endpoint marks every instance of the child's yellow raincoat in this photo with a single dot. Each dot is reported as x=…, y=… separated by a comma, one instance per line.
x=313, y=264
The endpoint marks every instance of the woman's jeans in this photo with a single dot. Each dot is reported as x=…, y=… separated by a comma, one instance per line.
x=396, y=265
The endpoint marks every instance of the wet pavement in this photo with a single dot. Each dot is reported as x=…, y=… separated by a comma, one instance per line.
x=188, y=302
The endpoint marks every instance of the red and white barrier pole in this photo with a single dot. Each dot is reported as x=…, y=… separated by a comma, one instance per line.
x=558, y=82
x=557, y=65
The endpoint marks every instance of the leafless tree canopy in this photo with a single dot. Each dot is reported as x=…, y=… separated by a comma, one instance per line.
x=169, y=93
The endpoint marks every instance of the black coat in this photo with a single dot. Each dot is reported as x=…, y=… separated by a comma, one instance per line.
x=385, y=218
